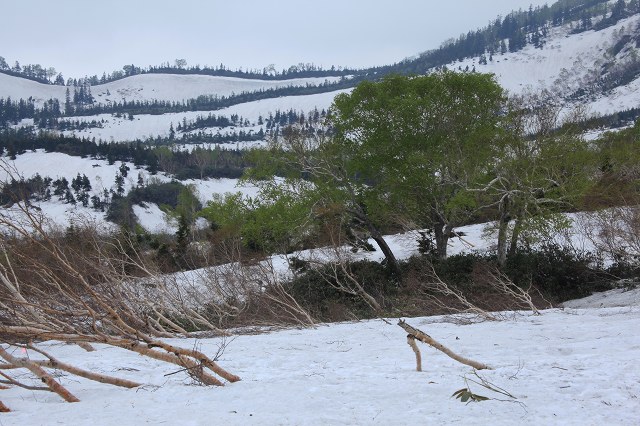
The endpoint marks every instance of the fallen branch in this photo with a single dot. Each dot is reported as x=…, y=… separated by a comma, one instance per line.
x=41, y=374
x=425, y=338
x=4, y=408
x=411, y=340
x=87, y=347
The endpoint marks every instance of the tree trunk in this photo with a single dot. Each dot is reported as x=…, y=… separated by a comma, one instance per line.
x=442, y=231
x=386, y=250
x=4, y=408
x=515, y=235
x=54, y=363
x=503, y=228
x=376, y=235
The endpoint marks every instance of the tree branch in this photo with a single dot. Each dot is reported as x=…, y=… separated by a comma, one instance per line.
x=425, y=338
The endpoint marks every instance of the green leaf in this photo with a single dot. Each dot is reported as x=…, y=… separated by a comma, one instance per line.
x=458, y=393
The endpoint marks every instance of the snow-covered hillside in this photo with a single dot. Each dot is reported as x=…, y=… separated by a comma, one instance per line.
x=146, y=125
x=569, y=62
x=102, y=177
x=148, y=87
x=566, y=64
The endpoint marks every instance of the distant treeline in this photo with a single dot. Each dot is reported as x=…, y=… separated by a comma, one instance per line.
x=12, y=111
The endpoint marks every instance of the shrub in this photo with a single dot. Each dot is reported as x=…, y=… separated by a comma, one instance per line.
x=559, y=273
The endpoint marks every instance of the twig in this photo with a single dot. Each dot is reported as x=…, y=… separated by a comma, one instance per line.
x=11, y=381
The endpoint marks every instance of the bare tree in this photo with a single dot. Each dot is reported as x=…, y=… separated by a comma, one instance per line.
x=614, y=232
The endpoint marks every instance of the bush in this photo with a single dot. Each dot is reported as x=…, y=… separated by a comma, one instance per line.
x=158, y=193
x=559, y=273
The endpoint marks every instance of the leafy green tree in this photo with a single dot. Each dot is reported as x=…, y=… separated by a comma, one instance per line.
x=415, y=145
x=318, y=169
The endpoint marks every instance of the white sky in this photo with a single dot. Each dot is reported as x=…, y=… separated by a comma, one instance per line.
x=86, y=37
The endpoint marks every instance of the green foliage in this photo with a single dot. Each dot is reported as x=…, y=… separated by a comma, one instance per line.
x=465, y=395
x=120, y=212
x=277, y=220
x=188, y=203
x=179, y=199
x=227, y=212
x=544, y=227
x=559, y=273
x=159, y=193
x=458, y=269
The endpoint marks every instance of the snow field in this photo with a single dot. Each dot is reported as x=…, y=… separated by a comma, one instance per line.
x=570, y=367
x=563, y=65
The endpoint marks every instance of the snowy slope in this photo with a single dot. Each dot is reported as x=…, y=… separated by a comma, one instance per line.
x=567, y=63
x=146, y=125
x=146, y=87
x=57, y=165
x=569, y=367
x=173, y=87
x=102, y=176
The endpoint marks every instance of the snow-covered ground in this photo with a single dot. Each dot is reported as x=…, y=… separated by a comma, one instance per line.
x=569, y=367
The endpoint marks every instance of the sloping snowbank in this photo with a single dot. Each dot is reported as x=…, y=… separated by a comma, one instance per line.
x=608, y=299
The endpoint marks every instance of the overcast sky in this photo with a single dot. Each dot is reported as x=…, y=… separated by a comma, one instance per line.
x=86, y=37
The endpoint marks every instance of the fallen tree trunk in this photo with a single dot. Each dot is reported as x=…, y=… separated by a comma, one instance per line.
x=190, y=359
x=101, y=378
x=425, y=338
